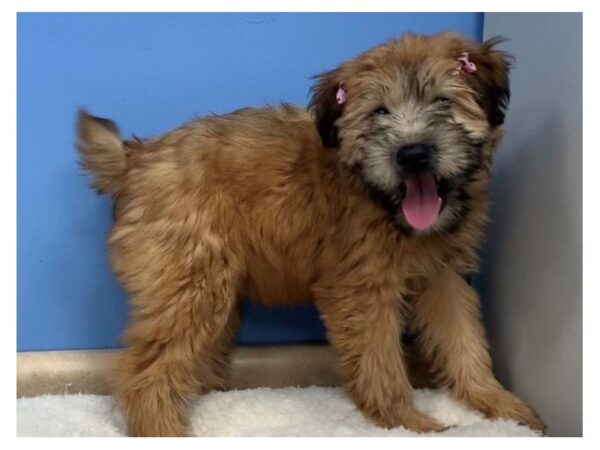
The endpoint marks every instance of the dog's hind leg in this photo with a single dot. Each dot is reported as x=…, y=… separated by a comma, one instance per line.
x=183, y=320
x=452, y=336
x=215, y=372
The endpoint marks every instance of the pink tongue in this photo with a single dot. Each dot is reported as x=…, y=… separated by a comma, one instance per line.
x=421, y=205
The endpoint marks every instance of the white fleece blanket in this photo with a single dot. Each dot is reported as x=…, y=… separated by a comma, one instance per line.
x=313, y=411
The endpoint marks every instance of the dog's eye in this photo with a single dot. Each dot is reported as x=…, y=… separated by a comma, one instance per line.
x=441, y=99
x=381, y=110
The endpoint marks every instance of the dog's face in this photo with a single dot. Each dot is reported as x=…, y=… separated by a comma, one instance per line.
x=416, y=120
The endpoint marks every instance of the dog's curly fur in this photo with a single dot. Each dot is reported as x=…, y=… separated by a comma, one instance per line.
x=286, y=205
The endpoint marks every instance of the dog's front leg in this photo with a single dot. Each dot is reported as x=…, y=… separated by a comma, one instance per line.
x=364, y=328
x=452, y=336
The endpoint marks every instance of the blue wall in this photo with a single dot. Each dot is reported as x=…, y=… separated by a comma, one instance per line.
x=149, y=73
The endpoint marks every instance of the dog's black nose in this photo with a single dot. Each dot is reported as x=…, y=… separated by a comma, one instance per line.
x=414, y=157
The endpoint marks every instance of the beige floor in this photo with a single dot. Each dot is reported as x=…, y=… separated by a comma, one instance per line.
x=69, y=372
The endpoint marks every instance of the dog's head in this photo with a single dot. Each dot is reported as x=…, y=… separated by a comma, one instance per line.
x=416, y=119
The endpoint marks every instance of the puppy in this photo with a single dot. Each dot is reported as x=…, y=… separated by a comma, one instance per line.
x=371, y=205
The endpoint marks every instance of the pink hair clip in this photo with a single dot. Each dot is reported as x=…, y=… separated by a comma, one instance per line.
x=341, y=96
x=465, y=64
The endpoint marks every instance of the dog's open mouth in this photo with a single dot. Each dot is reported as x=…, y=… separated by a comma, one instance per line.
x=423, y=200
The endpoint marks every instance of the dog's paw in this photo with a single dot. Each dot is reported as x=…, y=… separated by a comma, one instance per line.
x=411, y=419
x=502, y=404
x=421, y=423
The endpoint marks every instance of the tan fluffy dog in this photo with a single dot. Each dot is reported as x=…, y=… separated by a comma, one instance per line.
x=371, y=204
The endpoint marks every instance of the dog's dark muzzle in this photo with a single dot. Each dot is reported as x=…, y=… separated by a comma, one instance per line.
x=414, y=158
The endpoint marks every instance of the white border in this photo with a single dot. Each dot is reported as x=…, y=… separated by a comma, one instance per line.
x=591, y=224
x=299, y=5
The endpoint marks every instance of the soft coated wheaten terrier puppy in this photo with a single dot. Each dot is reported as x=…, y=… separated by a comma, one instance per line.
x=371, y=204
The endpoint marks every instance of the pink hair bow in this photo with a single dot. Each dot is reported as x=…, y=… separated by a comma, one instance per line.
x=465, y=64
x=341, y=96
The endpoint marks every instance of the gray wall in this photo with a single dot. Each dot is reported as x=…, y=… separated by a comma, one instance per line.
x=532, y=263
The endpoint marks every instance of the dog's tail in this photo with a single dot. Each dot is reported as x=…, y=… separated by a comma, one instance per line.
x=102, y=152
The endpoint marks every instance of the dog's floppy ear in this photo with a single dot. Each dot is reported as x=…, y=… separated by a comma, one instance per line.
x=491, y=79
x=325, y=107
